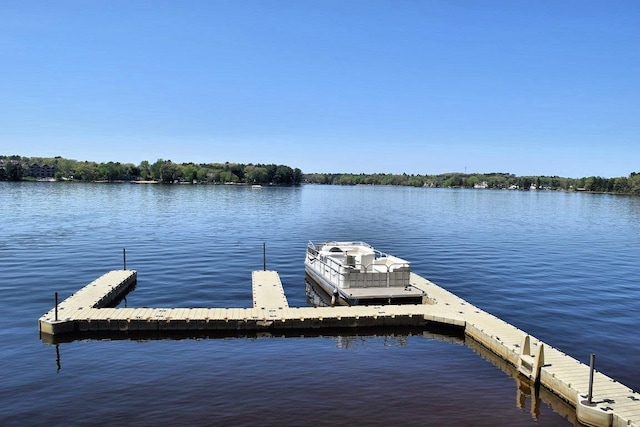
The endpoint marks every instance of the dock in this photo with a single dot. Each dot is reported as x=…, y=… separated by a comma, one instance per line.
x=91, y=311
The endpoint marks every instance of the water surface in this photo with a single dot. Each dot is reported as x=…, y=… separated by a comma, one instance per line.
x=561, y=266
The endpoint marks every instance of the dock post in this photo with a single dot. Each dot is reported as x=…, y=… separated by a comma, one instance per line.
x=124, y=258
x=264, y=256
x=592, y=363
x=56, y=307
x=594, y=413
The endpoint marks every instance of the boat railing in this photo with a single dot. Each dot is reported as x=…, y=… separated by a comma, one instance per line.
x=380, y=254
x=396, y=274
x=380, y=274
x=385, y=270
x=325, y=266
x=318, y=244
x=312, y=250
x=395, y=266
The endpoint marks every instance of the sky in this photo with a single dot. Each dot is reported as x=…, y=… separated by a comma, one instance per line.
x=537, y=87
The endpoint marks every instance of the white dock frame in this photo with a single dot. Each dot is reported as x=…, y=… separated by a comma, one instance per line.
x=612, y=404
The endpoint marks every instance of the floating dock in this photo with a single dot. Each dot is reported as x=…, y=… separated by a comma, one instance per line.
x=605, y=403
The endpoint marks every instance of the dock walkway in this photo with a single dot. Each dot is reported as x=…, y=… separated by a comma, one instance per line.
x=612, y=403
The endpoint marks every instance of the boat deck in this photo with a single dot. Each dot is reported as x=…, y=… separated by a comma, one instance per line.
x=612, y=404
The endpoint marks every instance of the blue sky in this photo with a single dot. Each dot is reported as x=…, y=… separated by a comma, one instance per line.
x=425, y=87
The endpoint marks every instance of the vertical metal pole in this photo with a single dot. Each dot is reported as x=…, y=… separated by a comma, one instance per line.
x=56, y=306
x=124, y=257
x=264, y=256
x=592, y=364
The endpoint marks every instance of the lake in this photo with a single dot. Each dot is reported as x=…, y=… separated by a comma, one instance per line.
x=561, y=266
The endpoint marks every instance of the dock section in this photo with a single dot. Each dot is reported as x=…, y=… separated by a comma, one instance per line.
x=98, y=294
x=611, y=404
x=268, y=292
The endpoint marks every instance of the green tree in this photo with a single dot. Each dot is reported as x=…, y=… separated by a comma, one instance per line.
x=634, y=183
x=283, y=175
x=472, y=180
x=228, y=176
x=621, y=185
x=236, y=170
x=169, y=172
x=454, y=180
x=130, y=171
x=110, y=171
x=190, y=172
x=202, y=174
x=297, y=176
x=256, y=175
x=86, y=171
x=65, y=167
x=155, y=169
x=145, y=170
x=13, y=170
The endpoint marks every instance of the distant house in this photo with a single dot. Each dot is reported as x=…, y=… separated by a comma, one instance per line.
x=42, y=170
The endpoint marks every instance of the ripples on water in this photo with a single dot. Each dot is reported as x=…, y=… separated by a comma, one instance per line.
x=562, y=266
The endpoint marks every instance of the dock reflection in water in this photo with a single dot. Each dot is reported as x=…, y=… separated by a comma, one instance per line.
x=347, y=338
x=526, y=396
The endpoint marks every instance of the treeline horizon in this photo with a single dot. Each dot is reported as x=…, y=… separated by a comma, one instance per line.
x=17, y=168
x=161, y=170
x=493, y=180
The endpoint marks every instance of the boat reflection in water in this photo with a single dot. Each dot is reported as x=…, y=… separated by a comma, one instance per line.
x=316, y=296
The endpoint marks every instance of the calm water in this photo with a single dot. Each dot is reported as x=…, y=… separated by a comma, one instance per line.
x=562, y=266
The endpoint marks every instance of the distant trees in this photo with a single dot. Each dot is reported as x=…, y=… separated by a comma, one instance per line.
x=255, y=174
x=83, y=171
x=166, y=171
x=620, y=185
x=144, y=170
x=13, y=171
x=16, y=168
x=497, y=180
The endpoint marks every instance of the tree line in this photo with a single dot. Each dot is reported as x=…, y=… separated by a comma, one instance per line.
x=497, y=180
x=17, y=168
